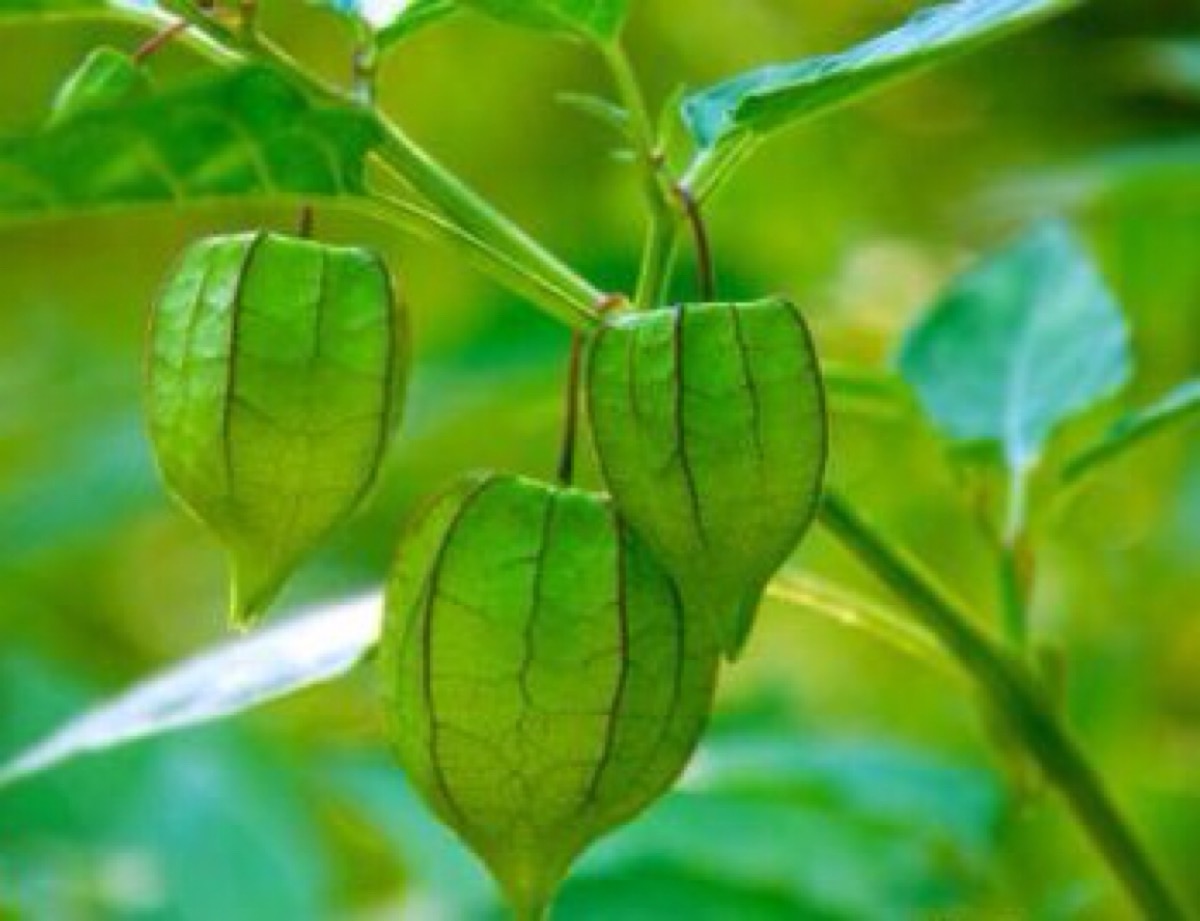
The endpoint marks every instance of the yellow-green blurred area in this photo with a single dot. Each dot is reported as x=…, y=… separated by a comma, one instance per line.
x=841, y=779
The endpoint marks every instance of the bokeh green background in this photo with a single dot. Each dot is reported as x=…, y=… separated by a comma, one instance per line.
x=841, y=781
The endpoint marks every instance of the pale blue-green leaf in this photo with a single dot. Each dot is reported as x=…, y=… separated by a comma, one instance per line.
x=1178, y=408
x=1017, y=345
x=779, y=95
x=245, y=673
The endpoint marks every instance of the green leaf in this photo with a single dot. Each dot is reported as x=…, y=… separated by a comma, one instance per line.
x=107, y=77
x=15, y=8
x=391, y=20
x=276, y=376
x=543, y=682
x=1019, y=344
x=599, y=108
x=780, y=95
x=710, y=425
x=598, y=20
x=1178, y=408
x=234, y=136
x=416, y=16
x=245, y=673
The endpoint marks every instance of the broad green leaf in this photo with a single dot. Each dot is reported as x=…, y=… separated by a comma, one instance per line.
x=107, y=77
x=599, y=20
x=543, y=681
x=780, y=95
x=710, y=425
x=1019, y=344
x=237, y=135
x=245, y=673
x=1178, y=408
x=275, y=378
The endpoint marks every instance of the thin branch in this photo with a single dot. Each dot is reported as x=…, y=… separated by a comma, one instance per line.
x=1016, y=696
x=705, y=268
x=566, y=456
x=159, y=40
x=430, y=179
x=658, y=254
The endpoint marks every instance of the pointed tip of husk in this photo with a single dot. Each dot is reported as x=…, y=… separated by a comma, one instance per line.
x=731, y=615
x=530, y=883
x=252, y=589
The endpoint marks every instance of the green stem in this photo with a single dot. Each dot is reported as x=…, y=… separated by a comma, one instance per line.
x=512, y=274
x=1013, y=598
x=457, y=201
x=662, y=232
x=466, y=208
x=658, y=255
x=1014, y=563
x=1006, y=684
x=712, y=167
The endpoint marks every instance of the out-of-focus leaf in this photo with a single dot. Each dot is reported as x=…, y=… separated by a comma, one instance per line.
x=599, y=20
x=1179, y=407
x=1173, y=66
x=1017, y=345
x=792, y=588
x=237, y=135
x=652, y=890
x=846, y=829
x=372, y=787
x=245, y=673
x=245, y=847
x=103, y=476
x=780, y=95
x=198, y=826
x=1169, y=168
x=764, y=826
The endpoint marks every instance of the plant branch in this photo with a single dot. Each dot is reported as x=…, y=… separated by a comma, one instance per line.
x=1007, y=685
x=570, y=434
x=511, y=273
x=712, y=167
x=575, y=297
x=658, y=255
x=705, y=268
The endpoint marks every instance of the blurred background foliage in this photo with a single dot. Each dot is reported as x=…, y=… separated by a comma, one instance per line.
x=840, y=781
